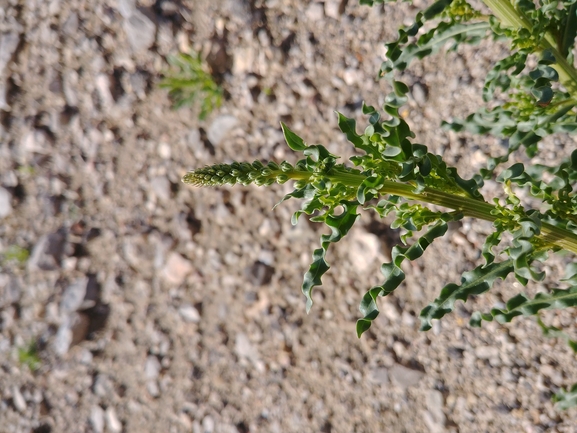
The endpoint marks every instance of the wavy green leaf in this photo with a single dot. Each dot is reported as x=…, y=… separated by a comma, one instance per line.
x=475, y=282
x=521, y=305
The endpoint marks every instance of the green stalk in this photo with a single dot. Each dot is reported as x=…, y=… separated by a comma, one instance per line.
x=511, y=17
x=258, y=173
x=552, y=235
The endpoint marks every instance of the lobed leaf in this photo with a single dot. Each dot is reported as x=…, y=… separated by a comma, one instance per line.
x=475, y=282
x=340, y=226
x=520, y=305
x=393, y=273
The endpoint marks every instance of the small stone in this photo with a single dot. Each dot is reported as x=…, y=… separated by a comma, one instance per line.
x=164, y=150
x=189, y=314
x=208, y=424
x=18, y=399
x=176, y=269
x=260, y=273
x=126, y=7
x=74, y=295
x=220, y=127
x=405, y=377
x=97, y=419
x=332, y=9
x=419, y=94
x=315, y=12
x=434, y=401
x=380, y=376
x=140, y=30
x=5, y=203
x=102, y=386
x=152, y=367
x=47, y=253
x=161, y=187
x=363, y=250
x=486, y=352
x=8, y=43
x=102, y=84
x=112, y=422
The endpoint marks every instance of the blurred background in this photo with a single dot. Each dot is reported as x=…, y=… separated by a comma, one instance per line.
x=130, y=302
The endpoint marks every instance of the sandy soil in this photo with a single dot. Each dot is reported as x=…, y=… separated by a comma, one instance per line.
x=157, y=307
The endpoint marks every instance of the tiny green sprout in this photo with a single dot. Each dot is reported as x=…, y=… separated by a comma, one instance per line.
x=17, y=254
x=190, y=82
x=29, y=356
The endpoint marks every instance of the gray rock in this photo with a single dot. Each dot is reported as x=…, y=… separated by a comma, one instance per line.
x=102, y=386
x=379, y=376
x=8, y=44
x=97, y=419
x=161, y=187
x=176, y=269
x=5, y=202
x=112, y=422
x=434, y=401
x=152, y=367
x=189, y=314
x=208, y=424
x=74, y=295
x=405, y=377
x=47, y=253
x=126, y=7
x=220, y=127
x=18, y=399
x=140, y=30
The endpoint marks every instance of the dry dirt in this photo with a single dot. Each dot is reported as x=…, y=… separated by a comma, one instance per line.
x=157, y=307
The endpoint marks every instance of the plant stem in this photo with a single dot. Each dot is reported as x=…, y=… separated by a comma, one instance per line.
x=550, y=234
x=511, y=17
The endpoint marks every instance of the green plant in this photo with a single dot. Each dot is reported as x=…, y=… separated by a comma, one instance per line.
x=189, y=81
x=29, y=356
x=14, y=253
x=391, y=175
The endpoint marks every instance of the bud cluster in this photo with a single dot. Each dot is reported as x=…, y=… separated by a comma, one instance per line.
x=239, y=172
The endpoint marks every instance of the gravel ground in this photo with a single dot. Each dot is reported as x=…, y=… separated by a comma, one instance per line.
x=163, y=308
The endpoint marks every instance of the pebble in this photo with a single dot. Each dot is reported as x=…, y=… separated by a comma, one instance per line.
x=405, y=377
x=208, y=424
x=379, y=376
x=315, y=12
x=220, y=127
x=112, y=422
x=140, y=30
x=97, y=419
x=332, y=9
x=260, y=274
x=18, y=399
x=5, y=202
x=189, y=314
x=74, y=295
x=363, y=250
x=47, y=252
x=161, y=187
x=434, y=401
x=176, y=269
x=486, y=352
x=8, y=43
x=152, y=367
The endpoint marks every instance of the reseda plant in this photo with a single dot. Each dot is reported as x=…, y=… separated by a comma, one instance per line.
x=392, y=175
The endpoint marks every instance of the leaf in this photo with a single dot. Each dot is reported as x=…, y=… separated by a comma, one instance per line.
x=293, y=140
x=520, y=305
x=340, y=226
x=566, y=399
x=394, y=275
x=475, y=282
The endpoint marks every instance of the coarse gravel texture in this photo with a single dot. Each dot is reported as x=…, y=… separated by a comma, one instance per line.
x=157, y=307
